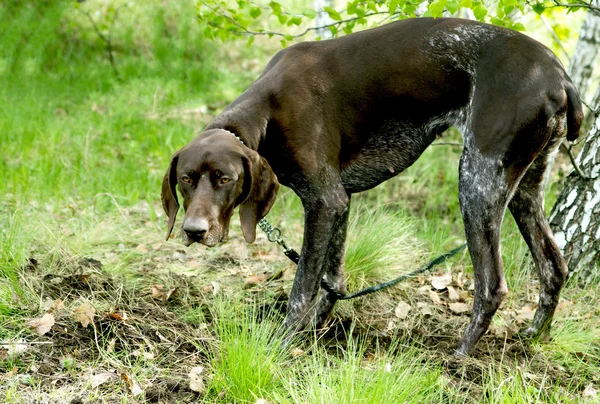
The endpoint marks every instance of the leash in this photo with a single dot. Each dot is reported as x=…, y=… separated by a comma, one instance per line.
x=274, y=236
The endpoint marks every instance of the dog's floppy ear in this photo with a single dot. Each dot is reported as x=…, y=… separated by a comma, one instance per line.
x=263, y=186
x=169, y=193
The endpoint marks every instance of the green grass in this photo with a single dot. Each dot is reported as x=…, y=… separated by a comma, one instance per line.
x=381, y=243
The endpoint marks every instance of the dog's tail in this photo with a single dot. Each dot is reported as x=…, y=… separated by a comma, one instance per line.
x=574, y=112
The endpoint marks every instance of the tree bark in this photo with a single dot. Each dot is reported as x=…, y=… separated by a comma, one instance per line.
x=587, y=53
x=575, y=218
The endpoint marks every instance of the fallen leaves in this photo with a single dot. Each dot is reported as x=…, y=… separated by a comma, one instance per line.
x=160, y=293
x=257, y=279
x=197, y=379
x=459, y=308
x=133, y=386
x=440, y=282
x=101, y=378
x=402, y=310
x=43, y=324
x=84, y=314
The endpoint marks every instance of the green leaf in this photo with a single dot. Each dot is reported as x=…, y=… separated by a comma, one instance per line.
x=289, y=38
x=276, y=7
x=539, y=8
x=255, y=12
x=250, y=41
x=466, y=3
x=480, y=12
x=283, y=43
x=296, y=21
x=333, y=30
x=282, y=18
x=518, y=26
x=333, y=14
x=452, y=6
x=309, y=13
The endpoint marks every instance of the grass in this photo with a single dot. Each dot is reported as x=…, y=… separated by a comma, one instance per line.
x=380, y=243
x=84, y=152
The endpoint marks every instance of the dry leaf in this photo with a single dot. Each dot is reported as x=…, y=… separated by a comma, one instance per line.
x=296, y=352
x=117, y=316
x=141, y=248
x=102, y=378
x=84, y=314
x=255, y=279
x=159, y=293
x=459, y=308
x=435, y=297
x=196, y=379
x=424, y=308
x=423, y=290
x=135, y=388
x=453, y=294
x=441, y=281
x=402, y=310
x=590, y=392
x=526, y=313
x=43, y=324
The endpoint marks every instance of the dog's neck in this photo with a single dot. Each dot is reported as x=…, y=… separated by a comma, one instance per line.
x=234, y=135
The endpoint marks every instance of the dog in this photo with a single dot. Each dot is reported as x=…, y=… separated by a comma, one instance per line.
x=332, y=118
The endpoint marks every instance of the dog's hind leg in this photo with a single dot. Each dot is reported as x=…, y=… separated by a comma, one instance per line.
x=483, y=193
x=527, y=207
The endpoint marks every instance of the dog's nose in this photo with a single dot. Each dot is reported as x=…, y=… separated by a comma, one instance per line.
x=195, y=227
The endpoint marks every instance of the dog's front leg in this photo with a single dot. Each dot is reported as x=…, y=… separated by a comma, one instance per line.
x=333, y=271
x=326, y=209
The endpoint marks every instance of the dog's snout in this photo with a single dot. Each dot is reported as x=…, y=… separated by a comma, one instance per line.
x=195, y=227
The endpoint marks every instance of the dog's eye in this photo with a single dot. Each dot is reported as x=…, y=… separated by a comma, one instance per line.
x=225, y=180
x=186, y=179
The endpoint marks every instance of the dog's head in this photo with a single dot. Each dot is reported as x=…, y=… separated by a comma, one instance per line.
x=215, y=173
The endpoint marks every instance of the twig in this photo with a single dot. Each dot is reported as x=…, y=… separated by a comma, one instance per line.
x=593, y=9
x=555, y=37
x=594, y=111
x=107, y=39
x=573, y=162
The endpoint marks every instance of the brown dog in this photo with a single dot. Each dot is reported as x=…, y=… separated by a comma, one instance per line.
x=332, y=118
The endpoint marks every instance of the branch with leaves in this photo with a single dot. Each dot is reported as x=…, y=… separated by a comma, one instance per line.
x=227, y=20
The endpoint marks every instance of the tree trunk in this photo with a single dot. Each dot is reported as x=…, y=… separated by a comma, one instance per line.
x=575, y=218
x=322, y=18
x=587, y=53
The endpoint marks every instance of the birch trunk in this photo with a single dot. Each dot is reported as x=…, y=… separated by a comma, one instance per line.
x=322, y=18
x=575, y=218
x=587, y=52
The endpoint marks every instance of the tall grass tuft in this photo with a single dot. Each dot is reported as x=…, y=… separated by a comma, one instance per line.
x=249, y=358
x=380, y=243
x=363, y=374
x=13, y=255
